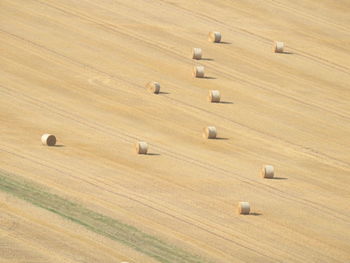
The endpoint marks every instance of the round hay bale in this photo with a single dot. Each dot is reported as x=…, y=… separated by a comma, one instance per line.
x=197, y=53
x=141, y=147
x=48, y=139
x=214, y=37
x=153, y=87
x=209, y=132
x=198, y=71
x=243, y=208
x=267, y=171
x=214, y=96
x=278, y=47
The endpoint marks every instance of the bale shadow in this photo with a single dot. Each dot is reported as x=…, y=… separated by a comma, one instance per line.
x=208, y=59
x=209, y=78
x=226, y=102
x=58, y=145
x=279, y=178
x=255, y=214
x=287, y=53
x=221, y=138
x=153, y=154
x=163, y=92
x=224, y=43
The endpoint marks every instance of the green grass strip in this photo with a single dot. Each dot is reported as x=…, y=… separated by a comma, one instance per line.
x=98, y=223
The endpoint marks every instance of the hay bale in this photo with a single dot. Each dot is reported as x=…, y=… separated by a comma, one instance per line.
x=214, y=96
x=141, y=147
x=243, y=208
x=209, y=132
x=214, y=37
x=153, y=87
x=278, y=47
x=48, y=139
x=197, y=53
x=267, y=171
x=198, y=71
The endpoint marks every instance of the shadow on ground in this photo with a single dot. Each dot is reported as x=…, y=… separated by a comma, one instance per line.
x=255, y=214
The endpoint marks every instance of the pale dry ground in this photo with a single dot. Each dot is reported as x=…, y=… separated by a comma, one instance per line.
x=77, y=69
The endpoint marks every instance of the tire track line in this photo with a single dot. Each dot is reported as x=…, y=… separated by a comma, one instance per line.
x=265, y=40
x=165, y=48
x=305, y=150
x=187, y=159
x=141, y=202
x=134, y=35
x=174, y=155
x=211, y=225
x=305, y=15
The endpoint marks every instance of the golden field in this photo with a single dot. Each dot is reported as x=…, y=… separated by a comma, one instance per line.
x=78, y=69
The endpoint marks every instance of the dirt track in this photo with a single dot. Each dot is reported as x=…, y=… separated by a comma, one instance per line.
x=78, y=69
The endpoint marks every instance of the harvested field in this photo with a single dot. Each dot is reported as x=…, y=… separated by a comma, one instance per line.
x=78, y=69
